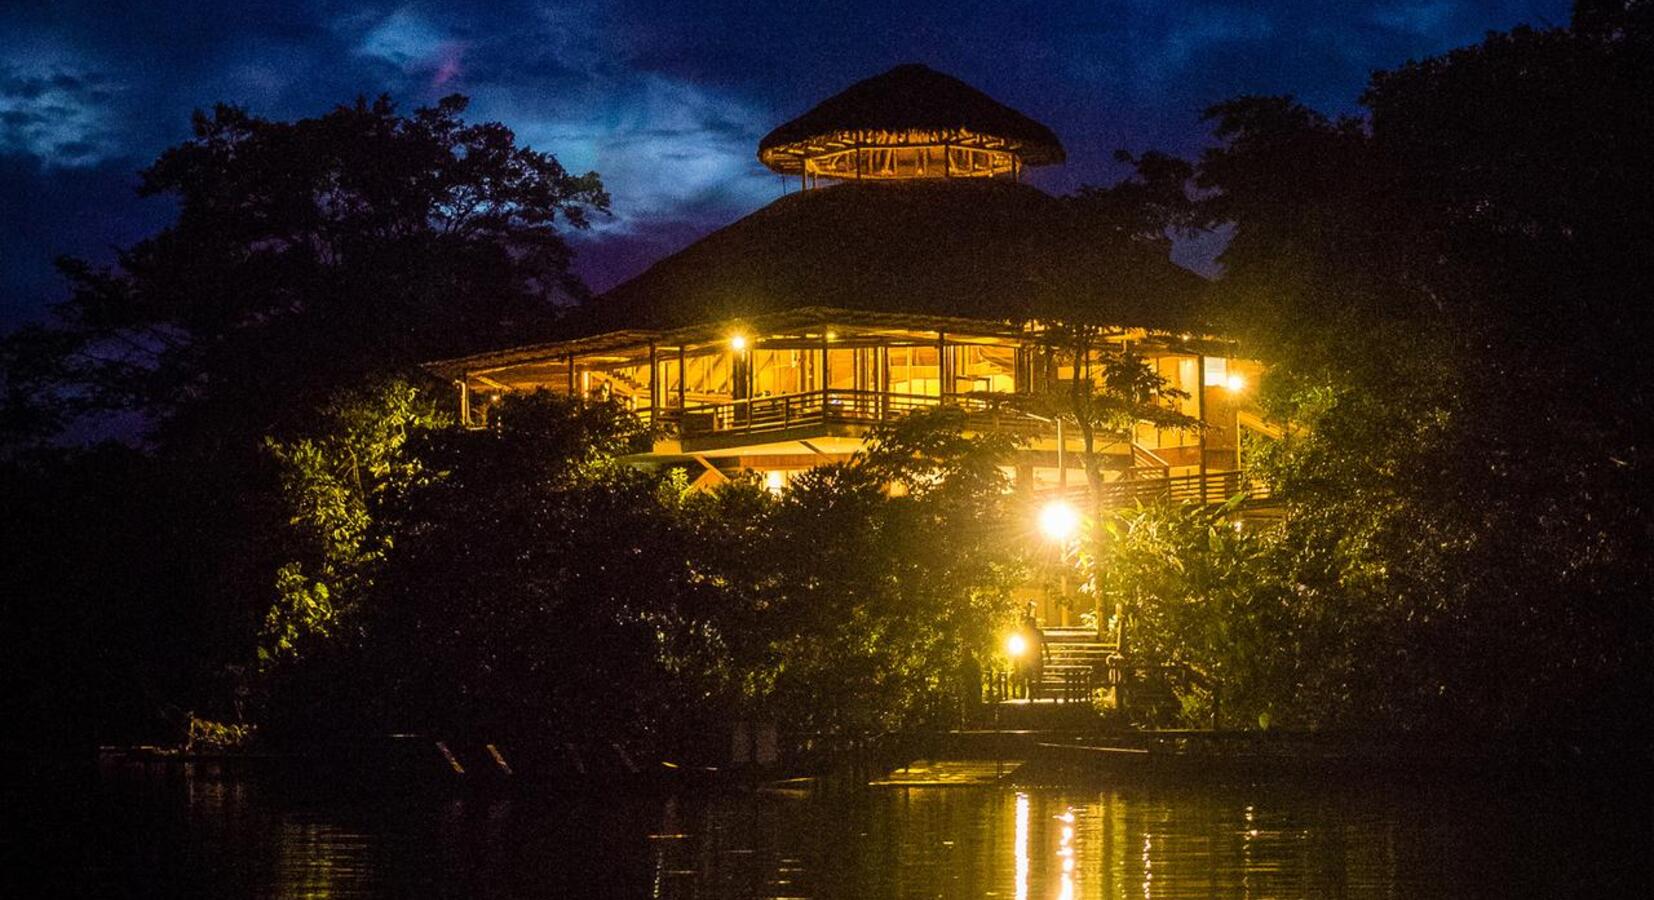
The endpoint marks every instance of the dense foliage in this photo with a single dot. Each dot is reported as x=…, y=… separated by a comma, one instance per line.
x=307, y=258
x=524, y=581
x=1447, y=291
x=1451, y=293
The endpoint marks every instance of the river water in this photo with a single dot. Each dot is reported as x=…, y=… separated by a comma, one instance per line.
x=166, y=832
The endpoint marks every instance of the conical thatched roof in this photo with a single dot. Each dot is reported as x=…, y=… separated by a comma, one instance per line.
x=986, y=249
x=909, y=105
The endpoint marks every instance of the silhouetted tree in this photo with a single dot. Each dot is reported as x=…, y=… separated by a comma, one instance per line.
x=1446, y=290
x=307, y=257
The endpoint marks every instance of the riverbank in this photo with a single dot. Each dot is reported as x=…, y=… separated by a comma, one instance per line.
x=1043, y=758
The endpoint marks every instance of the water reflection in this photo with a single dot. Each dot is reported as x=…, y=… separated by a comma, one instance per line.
x=1021, y=846
x=170, y=833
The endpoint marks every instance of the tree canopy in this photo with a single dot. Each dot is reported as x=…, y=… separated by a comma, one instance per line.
x=306, y=256
x=1446, y=291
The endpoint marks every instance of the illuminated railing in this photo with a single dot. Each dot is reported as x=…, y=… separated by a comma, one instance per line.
x=835, y=407
x=1210, y=488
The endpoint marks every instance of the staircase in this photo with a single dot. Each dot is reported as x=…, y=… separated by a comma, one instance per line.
x=1075, y=663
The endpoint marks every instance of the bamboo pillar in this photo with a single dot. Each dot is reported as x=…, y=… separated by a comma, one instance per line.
x=822, y=372
x=654, y=377
x=1235, y=402
x=683, y=378
x=883, y=378
x=944, y=384
x=1200, y=411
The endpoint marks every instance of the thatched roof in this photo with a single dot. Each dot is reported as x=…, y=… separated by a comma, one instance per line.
x=982, y=249
x=910, y=104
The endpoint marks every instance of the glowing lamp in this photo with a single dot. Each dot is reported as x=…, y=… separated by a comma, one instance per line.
x=738, y=343
x=1016, y=644
x=1059, y=521
x=774, y=480
x=1235, y=382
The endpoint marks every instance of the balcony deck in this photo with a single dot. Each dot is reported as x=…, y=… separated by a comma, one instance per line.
x=783, y=416
x=837, y=407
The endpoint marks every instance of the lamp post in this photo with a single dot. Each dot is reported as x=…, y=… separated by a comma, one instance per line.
x=1061, y=523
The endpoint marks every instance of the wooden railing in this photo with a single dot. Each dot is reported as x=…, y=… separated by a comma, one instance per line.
x=834, y=407
x=1211, y=488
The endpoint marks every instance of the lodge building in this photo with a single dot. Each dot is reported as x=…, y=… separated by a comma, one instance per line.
x=908, y=266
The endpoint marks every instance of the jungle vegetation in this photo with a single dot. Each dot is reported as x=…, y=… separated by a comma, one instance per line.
x=1451, y=290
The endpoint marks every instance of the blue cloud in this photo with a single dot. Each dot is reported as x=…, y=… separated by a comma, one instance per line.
x=59, y=115
x=666, y=99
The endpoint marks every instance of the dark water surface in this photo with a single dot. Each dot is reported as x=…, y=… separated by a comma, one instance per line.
x=170, y=832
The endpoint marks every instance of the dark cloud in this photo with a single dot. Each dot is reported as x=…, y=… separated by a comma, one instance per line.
x=666, y=99
x=47, y=211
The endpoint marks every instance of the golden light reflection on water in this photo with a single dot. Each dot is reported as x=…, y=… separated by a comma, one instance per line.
x=1065, y=855
x=1022, y=862
x=1113, y=845
x=945, y=843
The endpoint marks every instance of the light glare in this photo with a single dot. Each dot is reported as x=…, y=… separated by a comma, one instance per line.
x=1059, y=521
x=1016, y=645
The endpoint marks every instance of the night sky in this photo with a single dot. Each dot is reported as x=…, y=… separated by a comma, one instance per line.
x=667, y=100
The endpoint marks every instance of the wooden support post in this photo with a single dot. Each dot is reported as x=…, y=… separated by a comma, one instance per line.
x=1062, y=457
x=449, y=757
x=499, y=760
x=571, y=374
x=944, y=384
x=683, y=377
x=882, y=376
x=464, y=401
x=1200, y=412
x=654, y=376
x=822, y=373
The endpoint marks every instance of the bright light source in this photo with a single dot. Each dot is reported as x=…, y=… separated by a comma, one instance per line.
x=775, y=481
x=738, y=342
x=1235, y=382
x=1059, y=521
x=1016, y=644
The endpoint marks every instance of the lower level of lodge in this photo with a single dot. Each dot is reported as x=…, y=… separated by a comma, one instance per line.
x=782, y=393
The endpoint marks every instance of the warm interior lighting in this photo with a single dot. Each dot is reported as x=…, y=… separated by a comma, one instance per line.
x=738, y=343
x=1059, y=521
x=1016, y=644
x=775, y=481
x=1235, y=382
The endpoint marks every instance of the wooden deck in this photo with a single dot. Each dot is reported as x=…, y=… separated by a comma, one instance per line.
x=836, y=407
